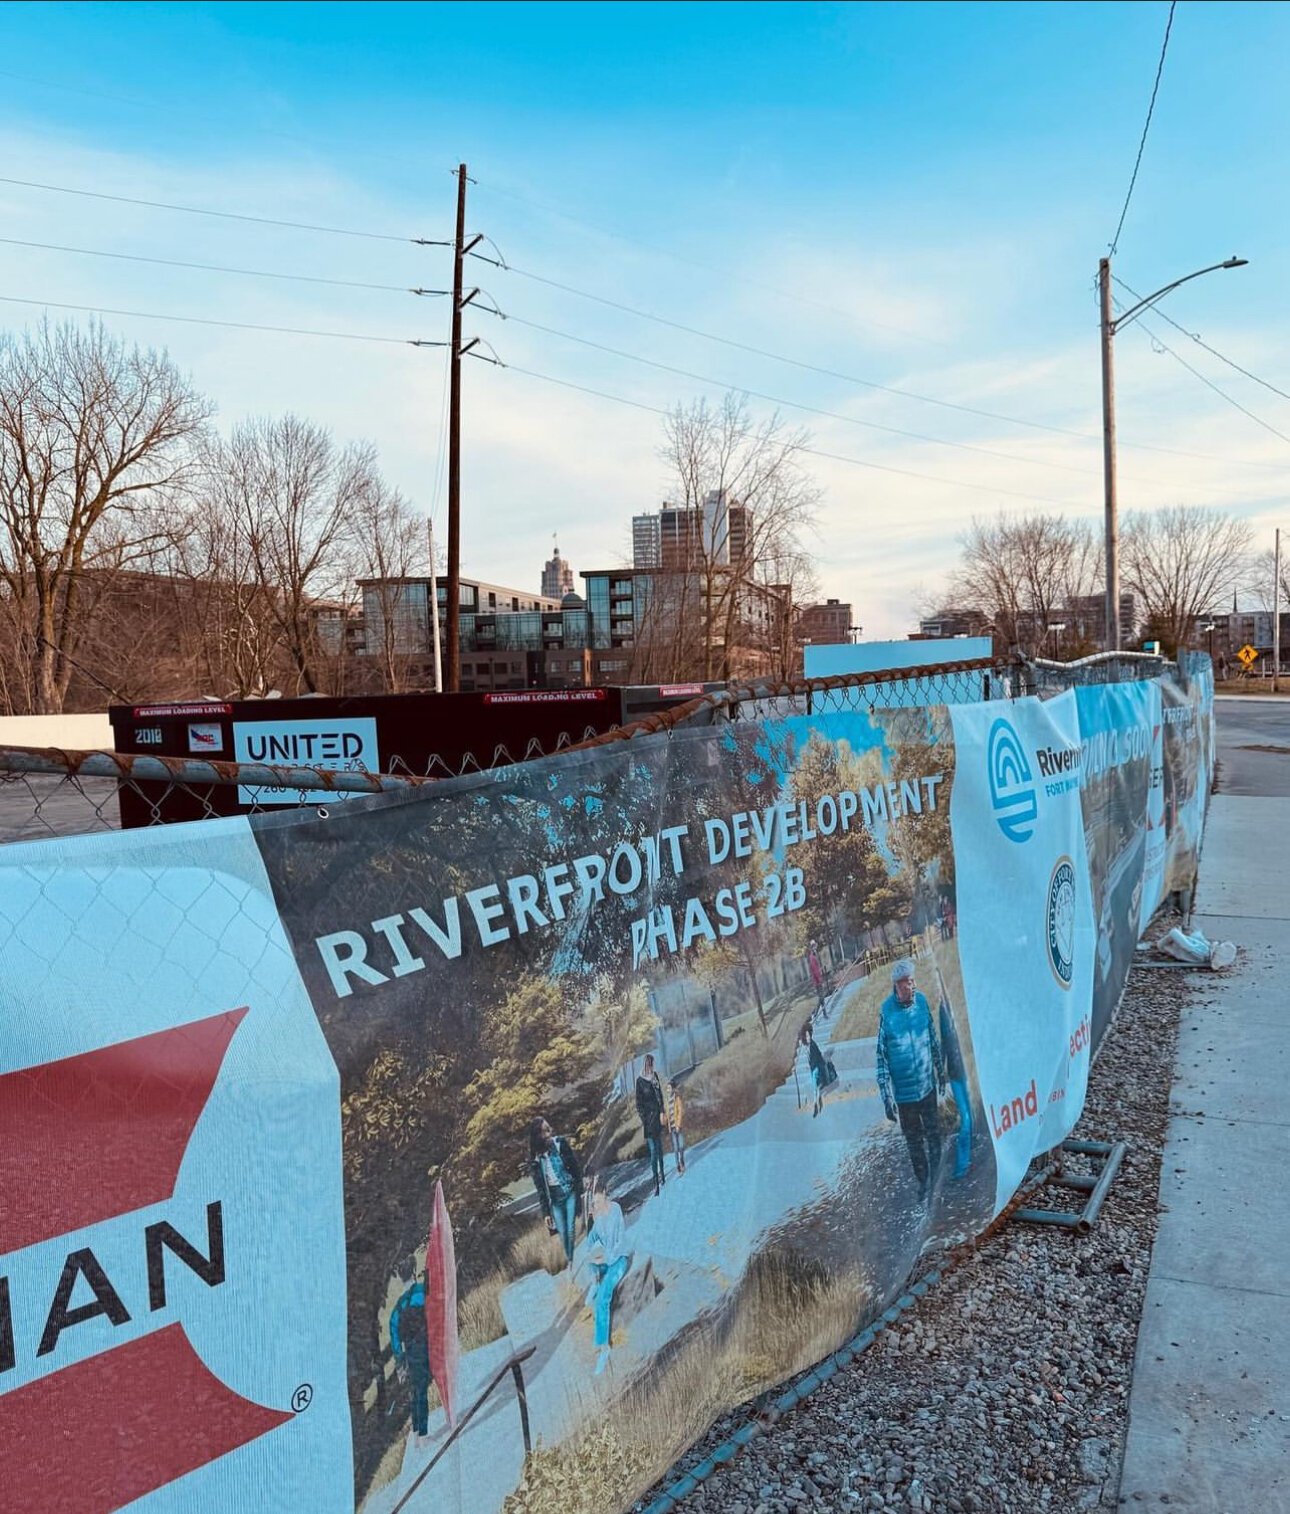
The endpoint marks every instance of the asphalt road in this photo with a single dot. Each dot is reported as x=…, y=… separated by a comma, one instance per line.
x=1253, y=746
x=36, y=808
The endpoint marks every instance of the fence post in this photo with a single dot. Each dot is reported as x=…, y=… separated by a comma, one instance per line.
x=517, y=1371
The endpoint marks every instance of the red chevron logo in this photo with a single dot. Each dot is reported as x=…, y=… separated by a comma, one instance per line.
x=83, y=1140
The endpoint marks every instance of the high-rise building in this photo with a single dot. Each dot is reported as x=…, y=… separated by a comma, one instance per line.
x=684, y=538
x=557, y=576
x=680, y=625
x=647, y=541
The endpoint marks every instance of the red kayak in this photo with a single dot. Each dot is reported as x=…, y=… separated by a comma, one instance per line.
x=441, y=1305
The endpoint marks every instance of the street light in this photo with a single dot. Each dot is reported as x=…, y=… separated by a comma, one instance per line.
x=1111, y=325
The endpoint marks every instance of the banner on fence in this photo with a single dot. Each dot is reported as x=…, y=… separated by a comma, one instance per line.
x=475, y=1147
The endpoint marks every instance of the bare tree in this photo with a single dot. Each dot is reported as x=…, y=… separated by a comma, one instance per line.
x=292, y=495
x=1262, y=575
x=1181, y=562
x=95, y=446
x=387, y=545
x=228, y=633
x=719, y=610
x=790, y=570
x=1032, y=578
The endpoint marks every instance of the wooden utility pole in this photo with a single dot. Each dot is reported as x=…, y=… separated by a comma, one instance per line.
x=1108, y=459
x=452, y=651
x=460, y=247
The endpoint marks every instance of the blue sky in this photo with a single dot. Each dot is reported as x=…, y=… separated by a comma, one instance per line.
x=911, y=194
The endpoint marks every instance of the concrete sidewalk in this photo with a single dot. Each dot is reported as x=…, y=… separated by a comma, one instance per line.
x=1209, y=1418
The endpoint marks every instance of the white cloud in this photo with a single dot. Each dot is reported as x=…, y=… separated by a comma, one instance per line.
x=541, y=459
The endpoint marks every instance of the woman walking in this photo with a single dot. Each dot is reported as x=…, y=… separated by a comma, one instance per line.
x=650, y=1106
x=816, y=970
x=557, y=1179
x=818, y=1063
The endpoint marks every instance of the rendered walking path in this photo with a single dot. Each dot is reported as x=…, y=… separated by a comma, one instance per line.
x=698, y=1235
x=1209, y=1415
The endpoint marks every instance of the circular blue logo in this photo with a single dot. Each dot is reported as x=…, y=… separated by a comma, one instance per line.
x=1061, y=921
x=1012, y=789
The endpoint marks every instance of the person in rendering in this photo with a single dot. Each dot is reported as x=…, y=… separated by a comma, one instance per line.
x=819, y=1065
x=410, y=1342
x=650, y=1106
x=816, y=969
x=911, y=1073
x=676, y=1123
x=557, y=1180
x=607, y=1256
x=956, y=1076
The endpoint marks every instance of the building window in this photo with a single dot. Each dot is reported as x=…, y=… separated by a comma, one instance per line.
x=598, y=608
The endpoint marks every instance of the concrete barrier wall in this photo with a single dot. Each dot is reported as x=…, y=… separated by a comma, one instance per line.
x=73, y=733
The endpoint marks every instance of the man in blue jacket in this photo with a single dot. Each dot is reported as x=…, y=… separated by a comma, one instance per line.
x=409, y=1340
x=911, y=1073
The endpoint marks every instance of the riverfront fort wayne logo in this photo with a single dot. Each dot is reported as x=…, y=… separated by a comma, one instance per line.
x=1012, y=788
x=85, y=1140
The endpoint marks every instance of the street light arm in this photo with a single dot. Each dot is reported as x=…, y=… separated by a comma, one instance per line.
x=1135, y=311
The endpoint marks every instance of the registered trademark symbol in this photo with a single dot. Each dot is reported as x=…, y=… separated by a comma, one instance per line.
x=302, y=1398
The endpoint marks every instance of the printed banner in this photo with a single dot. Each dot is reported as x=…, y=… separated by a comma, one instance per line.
x=1116, y=744
x=476, y=1147
x=1027, y=940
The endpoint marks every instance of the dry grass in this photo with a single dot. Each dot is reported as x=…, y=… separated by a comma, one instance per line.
x=479, y=1312
x=788, y=1313
x=732, y=1086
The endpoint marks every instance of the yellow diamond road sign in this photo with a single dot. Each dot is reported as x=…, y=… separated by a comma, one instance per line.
x=1247, y=654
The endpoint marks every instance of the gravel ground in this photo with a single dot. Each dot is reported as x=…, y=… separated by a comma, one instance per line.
x=1007, y=1386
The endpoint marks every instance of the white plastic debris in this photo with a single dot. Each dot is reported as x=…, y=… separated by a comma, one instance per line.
x=1223, y=955
x=1197, y=949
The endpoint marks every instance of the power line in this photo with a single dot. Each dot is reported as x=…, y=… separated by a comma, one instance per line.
x=1209, y=384
x=225, y=215
x=1157, y=341
x=1137, y=163
x=253, y=273
x=775, y=399
x=792, y=362
x=847, y=378
x=836, y=457
x=196, y=320
x=1213, y=351
x=680, y=257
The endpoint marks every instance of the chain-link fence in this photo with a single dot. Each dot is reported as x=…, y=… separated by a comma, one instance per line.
x=1044, y=677
x=48, y=792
